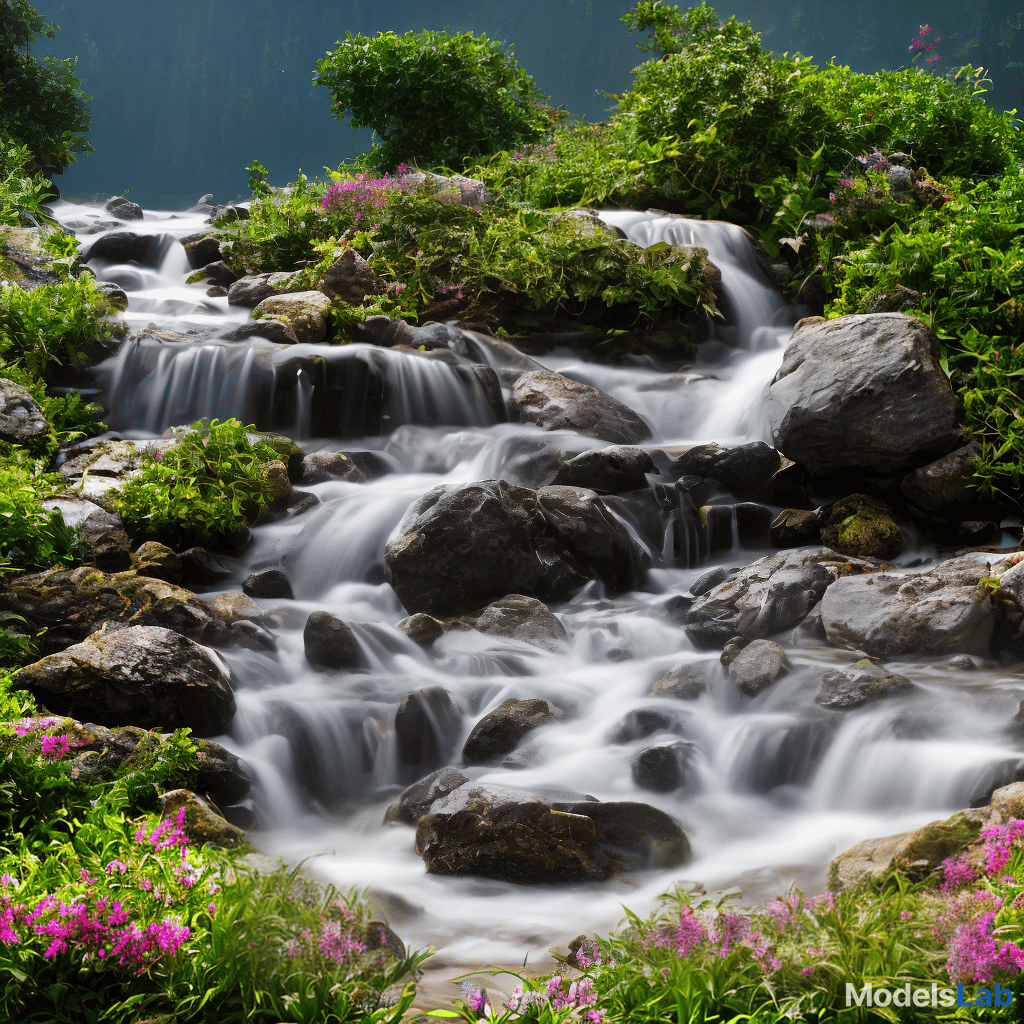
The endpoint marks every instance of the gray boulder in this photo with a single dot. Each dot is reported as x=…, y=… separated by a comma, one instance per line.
x=305, y=312
x=275, y=331
x=143, y=675
x=500, y=731
x=414, y=802
x=103, y=534
x=251, y=290
x=863, y=392
x=21, y=418
x=685, y=682
x=123, y=209
x=553, y=402
x=607, y=470
x=320, y=466
x=757, y=666
x=860, y=684
x=329, y=643
x=350, y=279
x=941, y=610
x=945, y=482
x=520, y=618
x=271, y=583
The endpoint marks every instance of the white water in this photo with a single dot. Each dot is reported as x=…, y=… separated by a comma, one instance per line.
x=781, y=785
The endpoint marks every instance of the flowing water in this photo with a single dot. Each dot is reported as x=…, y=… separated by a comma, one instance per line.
x=780, y=785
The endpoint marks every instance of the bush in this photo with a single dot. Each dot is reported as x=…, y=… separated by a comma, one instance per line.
x=32, y=537
x=433, y=97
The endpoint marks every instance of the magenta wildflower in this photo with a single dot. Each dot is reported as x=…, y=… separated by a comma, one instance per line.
x=477, y=1000
x=956, y=873
x=728, y=929
x=998, y=841
x=975, y=955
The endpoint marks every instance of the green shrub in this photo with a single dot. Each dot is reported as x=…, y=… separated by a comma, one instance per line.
x=209, y=485
x=22, y=195
x=435, y=98
x=32, y=537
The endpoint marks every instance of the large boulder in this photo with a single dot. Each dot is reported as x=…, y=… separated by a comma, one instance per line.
x=843, y=689
x=460, y=547
x=553, y=402
x=862, y=526
x=945, y=482
x=741, y=470
x=941, y=610
x=608, y=470
x=500, y=731
x=21, y=419
x=350, y=279
x=863, y=392
x=768, y=596
x=304, y=312
x=144, y=675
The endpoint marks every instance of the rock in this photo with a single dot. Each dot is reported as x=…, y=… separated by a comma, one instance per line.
x=305, y=312
x=384, y=332
x=201, y=566
x=709, y=580
x=115, y=295
x=350, y=279
x=861, y=683
x=663, y=768
x=250, y=290
x=271, y=583
x=500, y=731
x=1007, y=804
x=757, y=666
x=219, y=273
x=744, y=525
x=252, y=636
x=21, y=418
x=322, y=466
x=202, y=823
x=143, y=675
x=639, y=724
x=1012, y=581
x=275, y=331
x=685, y=682
x=607, y=470
x=794, y=527
x=415, y=801
x=863, y=392
x=231, y=608
x=123, y=209
x=862, y=526
x=103, y=535
x=463, y=546
x=121, y=247
x=421, y=628
x=220, y=774
x=74, y=603
x=159, y=561
x=521, y=618
x=427, y=724
x=768, y=596
x=202, y=248
x=945, y=482
x=329, y=643
x=741, y=470
x=554, y=402
x=941, y=610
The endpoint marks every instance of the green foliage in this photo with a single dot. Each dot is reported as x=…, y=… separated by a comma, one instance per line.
x=208, y=485
x=22, y=195
x=42, y=105
x=435, y=98
x=31, y=536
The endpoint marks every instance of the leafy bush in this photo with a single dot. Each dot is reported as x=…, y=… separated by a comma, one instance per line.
x=433, y=97
x=31, y=535
x=209, y=484
x=22, y=195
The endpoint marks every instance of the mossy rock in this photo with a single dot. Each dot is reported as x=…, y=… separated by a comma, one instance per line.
x=862, y=526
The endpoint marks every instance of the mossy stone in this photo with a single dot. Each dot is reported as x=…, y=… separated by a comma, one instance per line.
x=862, y=526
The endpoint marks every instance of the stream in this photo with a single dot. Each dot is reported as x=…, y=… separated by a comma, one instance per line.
x=779, y=785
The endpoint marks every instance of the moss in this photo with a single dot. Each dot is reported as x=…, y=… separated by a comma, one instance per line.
x=863, y=527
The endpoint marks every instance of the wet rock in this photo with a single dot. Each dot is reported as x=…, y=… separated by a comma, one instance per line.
x=123, y=209
x=120, y=247
x=203, y=567
x=284, y=447
x=350, y=279
x=232, y=608
x=794, y=527
x=322, y=466
x=732, y=649
x=768, y=596
x=528, y=756
x=978, y=531
x=711, y=579
x=202, y=248
x=427, y=724
x=639, y=724
x=300, y=502
x=202, y=823
x=219, y=273
x=275, y=331
x=554, y=402
x=521, y=618
x=305, y=312
x=942, y=610
x=220, y=774
x=74, y=603
x=744, y=525
x=250, y=290
x=143, y=675
x=500, y=731
x=115, y=295
x=862, y=526
x=421, y=628
x=415, y=801
x=757, y=666
x=741, y=470
x=157, y=560
x=21, y=419
x=945, y=482
x=860, y=684
x=103, y=535
x=329, y=643
x=607, y=470
x=271, y=583
x=685, y=682
x=384, y=331
x=863, y=392
x=253, y=636
x=663, y=768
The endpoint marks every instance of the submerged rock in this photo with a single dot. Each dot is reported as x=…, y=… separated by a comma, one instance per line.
x=757, y=666
x=500, y=731
x=860, y=684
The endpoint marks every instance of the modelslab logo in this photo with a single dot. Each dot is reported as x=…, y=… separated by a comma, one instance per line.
x=934, y=996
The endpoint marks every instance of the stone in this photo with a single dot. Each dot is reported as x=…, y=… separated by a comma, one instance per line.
x=121, y=247
x=607, y=470
x=143, y=675
x=115, y=295
x=329, y=643
x=794, y=527
x=305, y=312
x=685, y=682
x=862, y=526
x=275, y=331
x=947, y=481
x=271, y=583
x=202, y=248
x=639, y=724
x=663, y=768
x=350, y=279
x=941, y=610
x=862, y=392
x=421, y=628
x=221, y=775
x=123, y=209
x=103, y=534
x=414, y=802
x=757, y=666
x=233, y=607
x=219, y=273
x=201, y=566
x=320, y=466
x=709, y=580
x=427, y=724
x=500, y=731
x=157, y=560
x=521, y=618
x=1007, y=804
x=741, y=470
x=554, y=402
x=384, y=332
x=202, y=824
x=250, y=290
x=860, y=684
x=252, y=636
x=21, y=418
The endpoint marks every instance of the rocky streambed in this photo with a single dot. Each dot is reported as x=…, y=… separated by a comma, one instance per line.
x=526, y=637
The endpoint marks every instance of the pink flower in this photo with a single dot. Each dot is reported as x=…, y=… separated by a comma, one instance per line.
x=53, y=748
x=956, y=873
x=975, y=955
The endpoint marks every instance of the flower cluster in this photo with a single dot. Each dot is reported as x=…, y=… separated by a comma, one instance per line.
x=976, y=955
x=956, y=873
x=922, y=46
x=999, y=839
x=51, y=732
x=575, y=999
x=536, y=154
x=333, y=940
x=359, y=195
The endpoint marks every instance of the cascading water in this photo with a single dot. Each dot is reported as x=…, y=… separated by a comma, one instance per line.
x=779, y=785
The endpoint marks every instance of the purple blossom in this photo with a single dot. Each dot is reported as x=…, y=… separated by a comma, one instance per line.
x=956, y=873
x=53, y=748
x=998, y=841
x=975, y=955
